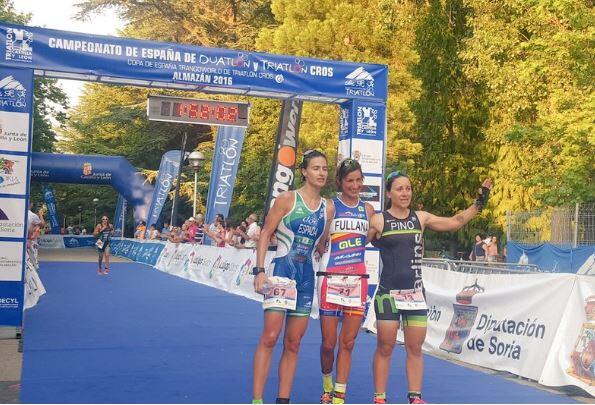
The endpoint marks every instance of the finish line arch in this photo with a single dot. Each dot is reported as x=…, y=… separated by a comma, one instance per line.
x=115, y=171
x=359, y=88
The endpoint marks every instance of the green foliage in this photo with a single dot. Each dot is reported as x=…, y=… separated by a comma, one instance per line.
x=536, y=59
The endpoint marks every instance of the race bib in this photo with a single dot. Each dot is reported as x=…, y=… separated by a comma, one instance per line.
x=99, y=244
x=343, y=290
x=280, y=292
x=409, y=299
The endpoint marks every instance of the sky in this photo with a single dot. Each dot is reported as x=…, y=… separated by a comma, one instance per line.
x=59, y=14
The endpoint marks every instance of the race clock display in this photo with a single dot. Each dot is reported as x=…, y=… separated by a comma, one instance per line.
x=193, y=111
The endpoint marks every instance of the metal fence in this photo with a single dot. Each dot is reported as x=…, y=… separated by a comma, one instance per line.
x=569, y=226
x=463, y=266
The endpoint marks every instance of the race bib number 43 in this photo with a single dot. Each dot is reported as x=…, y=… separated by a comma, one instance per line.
x=342, y=290
x=281, y=292
x=409, y=299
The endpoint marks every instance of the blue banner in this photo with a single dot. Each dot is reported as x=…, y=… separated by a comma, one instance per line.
x=142, y=252
x=79, y=241
x=16, y=106
x=549, y=257
x=228, y=147
x=120, y=216
x=189, y=67
x=168, y=171
x=50, y=203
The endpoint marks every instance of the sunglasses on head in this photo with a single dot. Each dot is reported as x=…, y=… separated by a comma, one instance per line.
x=349, y=162
x=395, y=174
x=104, y=219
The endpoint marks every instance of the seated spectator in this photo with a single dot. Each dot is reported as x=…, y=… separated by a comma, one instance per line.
x=175, y=236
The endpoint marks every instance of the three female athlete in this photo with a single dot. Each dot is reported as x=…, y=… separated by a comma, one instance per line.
x=298, y=219
x=343, y=281
x=400, y=297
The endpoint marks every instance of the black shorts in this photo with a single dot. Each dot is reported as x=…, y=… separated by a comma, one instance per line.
x=386, y=310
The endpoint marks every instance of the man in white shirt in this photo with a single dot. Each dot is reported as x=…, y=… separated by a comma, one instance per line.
x=252, y=233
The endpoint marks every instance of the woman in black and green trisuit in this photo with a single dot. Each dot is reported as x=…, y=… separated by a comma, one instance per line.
x=400, y=297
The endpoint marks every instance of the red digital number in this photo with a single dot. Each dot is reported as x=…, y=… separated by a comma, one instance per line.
x=232, y=115
x=204, y=112
x=193, y=110
x=220, y=113
x=178, y=110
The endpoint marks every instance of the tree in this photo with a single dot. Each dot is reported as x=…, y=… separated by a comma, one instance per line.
x=451, y=114
x=536, y=60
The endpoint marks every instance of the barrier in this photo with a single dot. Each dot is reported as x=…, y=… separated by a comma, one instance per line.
x=34, y=288
x=65, y=241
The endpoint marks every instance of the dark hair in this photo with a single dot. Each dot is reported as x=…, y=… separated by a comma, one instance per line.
x=389, y=183
x=346, y=167
x=309, y=155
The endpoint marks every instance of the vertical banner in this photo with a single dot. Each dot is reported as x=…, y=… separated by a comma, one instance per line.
x=168, y=171
x=228, y=148
x=120, y=216
x=16, y=106
x=283, y=167
x=50, y=203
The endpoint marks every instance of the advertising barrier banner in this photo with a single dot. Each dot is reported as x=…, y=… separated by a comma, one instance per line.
x=572, y=358
x=477, y=319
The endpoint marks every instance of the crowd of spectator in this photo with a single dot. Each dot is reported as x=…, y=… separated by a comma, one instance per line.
x=195, y=230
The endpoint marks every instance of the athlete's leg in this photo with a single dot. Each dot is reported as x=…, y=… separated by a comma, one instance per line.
x=273, y=323
x=106, y=256
x=387, y=336
x=295, y=327
x=349, y=330
x=414, y=338
x=100, y=253
x=328, y=328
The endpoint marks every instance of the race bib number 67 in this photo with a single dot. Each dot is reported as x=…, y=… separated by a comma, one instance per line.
x=281, y=292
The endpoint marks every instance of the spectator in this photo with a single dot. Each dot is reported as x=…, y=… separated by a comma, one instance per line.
x=192, y=228
x=175, y=235
x=492, y=249
x=229, y=236
x=479, y=249
x=70, y=230
x=153, y=233
x=84, y=231
x=140, y=230
x=216, y=231
x=199, y=235
x=165, y=231
x=252, y=234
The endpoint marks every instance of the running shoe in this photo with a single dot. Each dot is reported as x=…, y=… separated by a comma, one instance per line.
x=106, y=270
x=379, y=400
x=326, y=398
x=338, y=398
x=417, y=401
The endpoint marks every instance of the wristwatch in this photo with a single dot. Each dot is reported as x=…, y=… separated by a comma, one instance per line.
x=257, y=270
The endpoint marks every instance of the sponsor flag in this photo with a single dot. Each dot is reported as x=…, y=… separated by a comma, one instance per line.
x=119, y=216
x=226, y=160
x=168, y=171
x=281, y=176
x=50, y=203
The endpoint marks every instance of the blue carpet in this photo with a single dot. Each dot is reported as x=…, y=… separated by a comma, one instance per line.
x=142, y=336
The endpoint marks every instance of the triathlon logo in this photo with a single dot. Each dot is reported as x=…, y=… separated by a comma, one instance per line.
x=582, y=357
x=12, y=93
x=7, y=175
x=19, y=45
x=359, y=83
x=215, y=265
x=367, y=121
x=462, y=319
x=87, y=169
x=343, y=122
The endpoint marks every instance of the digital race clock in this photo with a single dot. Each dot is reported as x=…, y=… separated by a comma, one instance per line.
x=193, y=111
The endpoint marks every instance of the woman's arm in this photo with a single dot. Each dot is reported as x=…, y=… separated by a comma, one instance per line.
x=456, y=222
x=330, y=214
x=282, y=205
x=376, y=225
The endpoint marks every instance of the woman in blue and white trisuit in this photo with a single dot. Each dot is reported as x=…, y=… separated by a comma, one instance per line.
x=298, y=219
